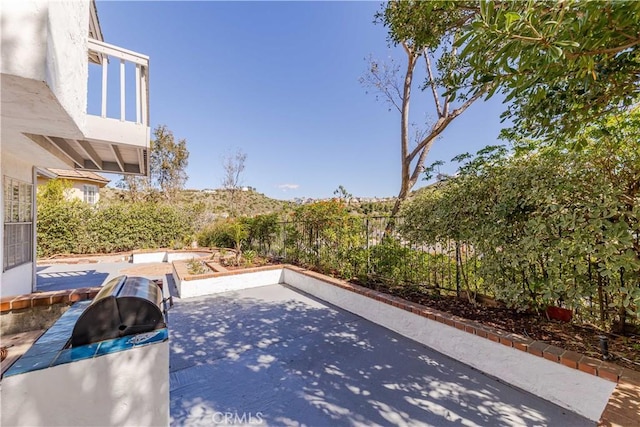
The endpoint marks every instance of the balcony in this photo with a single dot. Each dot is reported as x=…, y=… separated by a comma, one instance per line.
x=115, y=132
x=120, y=139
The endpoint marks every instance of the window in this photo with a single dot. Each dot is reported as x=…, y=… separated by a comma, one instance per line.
x=90, y=192
x=18, y=223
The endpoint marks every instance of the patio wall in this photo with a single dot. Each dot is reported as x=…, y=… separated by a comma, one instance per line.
x=569, y=388
x=138, y=257
x=206, y=284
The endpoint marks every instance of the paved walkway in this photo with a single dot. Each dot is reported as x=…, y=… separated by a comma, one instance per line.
x=272, y=356
x=58, y=277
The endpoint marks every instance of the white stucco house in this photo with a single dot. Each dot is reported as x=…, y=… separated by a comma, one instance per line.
x=49, y=50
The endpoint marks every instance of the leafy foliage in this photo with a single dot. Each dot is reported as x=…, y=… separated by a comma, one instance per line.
x=218, y=234
x=70, y=226
x=325, y=235
x=262, y=230
x=61, y=222
x=559, y=64
x=168, y=161
x=554, y=225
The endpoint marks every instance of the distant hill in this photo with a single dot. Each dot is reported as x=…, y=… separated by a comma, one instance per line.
x=217, y=202
x=211, y=204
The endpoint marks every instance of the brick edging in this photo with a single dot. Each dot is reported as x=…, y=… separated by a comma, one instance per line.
x=44, y=299
x=180, y=265
x=571, y=359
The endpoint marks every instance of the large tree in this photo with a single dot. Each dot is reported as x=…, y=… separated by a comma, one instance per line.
x=427, y=35
x=168, y=161
x=559, y=64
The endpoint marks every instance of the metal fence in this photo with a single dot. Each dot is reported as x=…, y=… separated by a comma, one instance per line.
x=359, y=248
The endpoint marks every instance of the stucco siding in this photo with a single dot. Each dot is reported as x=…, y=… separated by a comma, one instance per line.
x=67, y=57
x=46, y=42
x=24, y=23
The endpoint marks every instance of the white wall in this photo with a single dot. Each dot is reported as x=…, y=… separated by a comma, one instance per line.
x=46, y=41
x=24, y=24
x=125, y=388
x=569, y=388
x=166, y=256
x=143, y=257
x=214, y=285
x=176, y=256
x=67, y=63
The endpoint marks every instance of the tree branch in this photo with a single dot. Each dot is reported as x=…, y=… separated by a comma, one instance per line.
x=432, y=83
x=603, y=51
x=417, y=170
x=442, y=124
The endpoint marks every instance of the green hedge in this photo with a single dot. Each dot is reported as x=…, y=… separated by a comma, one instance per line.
x=72, y=227
x=555, y=225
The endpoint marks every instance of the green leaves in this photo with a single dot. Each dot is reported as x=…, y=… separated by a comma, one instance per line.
x=75, y=227
x=168, y=162
x=552, y=223
x=583, y=55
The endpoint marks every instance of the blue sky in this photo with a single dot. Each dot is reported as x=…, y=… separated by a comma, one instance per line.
x=279, y=81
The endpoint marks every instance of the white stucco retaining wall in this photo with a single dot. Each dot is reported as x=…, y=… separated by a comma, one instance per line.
x=165, y=256
x=125, y=388
x=226, y=283
x=176, y=256
x=138, y=258
x=569, y=388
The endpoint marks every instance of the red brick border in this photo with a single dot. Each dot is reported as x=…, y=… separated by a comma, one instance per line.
x=180, y=268
x=45, y=299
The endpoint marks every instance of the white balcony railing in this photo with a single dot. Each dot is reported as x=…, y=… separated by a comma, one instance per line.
x=104, y=52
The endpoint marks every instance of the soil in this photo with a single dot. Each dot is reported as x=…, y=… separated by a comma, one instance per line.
x=584, y=339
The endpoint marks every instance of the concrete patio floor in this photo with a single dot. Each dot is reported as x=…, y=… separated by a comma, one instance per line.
x=55, y=277
x=273, y=356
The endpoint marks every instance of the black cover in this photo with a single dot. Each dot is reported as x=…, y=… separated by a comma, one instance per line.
x=124, y=306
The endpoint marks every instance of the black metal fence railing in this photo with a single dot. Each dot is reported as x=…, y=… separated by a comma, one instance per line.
x=358, y=248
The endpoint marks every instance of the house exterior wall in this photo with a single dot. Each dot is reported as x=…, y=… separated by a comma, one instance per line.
x=67, y=63
x=46, y=41
x=24, y=24
x=44, y=65
x=44, y=84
